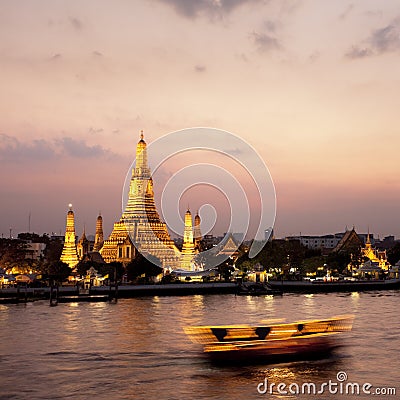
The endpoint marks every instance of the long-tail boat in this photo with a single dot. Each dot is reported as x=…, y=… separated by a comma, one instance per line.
x=271, y=341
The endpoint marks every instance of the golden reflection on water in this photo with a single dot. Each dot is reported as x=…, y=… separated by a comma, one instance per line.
x=136, y=348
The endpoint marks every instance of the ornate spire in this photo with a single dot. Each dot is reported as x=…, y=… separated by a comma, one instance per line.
x=99, y=238
x=197, y=232
x=83, y=237
x=140, y=225
x=188, y=250
x=69, y=254
x=368, y=242
x=141, y=168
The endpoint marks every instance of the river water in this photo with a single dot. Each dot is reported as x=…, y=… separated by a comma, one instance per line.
x=136, y=349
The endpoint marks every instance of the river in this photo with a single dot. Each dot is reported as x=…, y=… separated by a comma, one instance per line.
x=136, y=348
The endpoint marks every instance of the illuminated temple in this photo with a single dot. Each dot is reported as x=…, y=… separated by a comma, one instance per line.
x=140, y=226
x=69, y=253
x=188, y=247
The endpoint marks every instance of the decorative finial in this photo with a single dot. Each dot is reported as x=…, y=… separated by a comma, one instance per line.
x=70, y=206
x=141, y=135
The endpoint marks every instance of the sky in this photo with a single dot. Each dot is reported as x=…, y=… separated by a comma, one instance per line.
x=313, y=86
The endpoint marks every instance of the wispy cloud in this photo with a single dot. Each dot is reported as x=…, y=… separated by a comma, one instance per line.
x=56, y=57
x=200, y=68
x=265, y=42
x=75, y=23
x=13, y=149
x=346, y=12
x=358, y=52
x=79, y=148
x=380, y=41
x=196, y=8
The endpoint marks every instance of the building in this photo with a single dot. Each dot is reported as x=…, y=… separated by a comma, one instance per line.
x=188, y=247
x=99, y=237
x=318, y=242
x=349, y=243
x=140, y=226
x=84, y=246
x=376, y=258
x=34, y=250
x=69, y=253
x=197, y=232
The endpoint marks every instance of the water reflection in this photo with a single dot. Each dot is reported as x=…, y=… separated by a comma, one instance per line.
x=137, y=349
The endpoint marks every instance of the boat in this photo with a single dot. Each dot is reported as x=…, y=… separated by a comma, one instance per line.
x=271, y=342
x=257, y=289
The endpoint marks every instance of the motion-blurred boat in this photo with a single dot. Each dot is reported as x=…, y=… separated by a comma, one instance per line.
x=273, y=342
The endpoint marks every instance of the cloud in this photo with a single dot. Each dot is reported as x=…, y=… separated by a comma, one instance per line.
x=346, y=12
x=383, y=40
x=195, y=8
x=272, y=26
x=200, y=68
x=97, y=54
x=79, y=149
x=358, y=52
x=56, y=57
x=75, y=23
x=265, y=42
x=13, y=149
x=387, y=38
x=95, y=131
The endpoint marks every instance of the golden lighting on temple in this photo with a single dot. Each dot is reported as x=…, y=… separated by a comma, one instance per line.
x=140, y=225
x=188, y=248
x=69, y=253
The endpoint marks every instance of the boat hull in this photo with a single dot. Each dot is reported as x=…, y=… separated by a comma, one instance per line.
x=280, y=350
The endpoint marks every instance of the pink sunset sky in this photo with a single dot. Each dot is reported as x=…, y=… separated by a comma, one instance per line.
x=313, y=86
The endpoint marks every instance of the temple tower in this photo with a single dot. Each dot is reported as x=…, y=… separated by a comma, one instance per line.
x=99, y=238
x=69, y=254
x=140, y=219
x=197, y=232
x=188, y=250
x=83, y=246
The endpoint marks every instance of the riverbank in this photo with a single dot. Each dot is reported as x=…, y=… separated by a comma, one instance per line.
x=337, y=286
x=17, y=295
x=98, y=293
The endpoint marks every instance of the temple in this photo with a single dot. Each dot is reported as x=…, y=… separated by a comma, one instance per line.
x=188, y=247
x=376, y=258
x=83, y=245
x=197, y=233
x=140, y=226
x=69, y=253
x=99, y=238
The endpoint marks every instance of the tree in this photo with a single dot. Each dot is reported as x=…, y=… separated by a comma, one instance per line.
x=12, y=253
x=114, y=269
x=53, y=250
x=393, y=254
x=57, y=270
x=141, y=265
